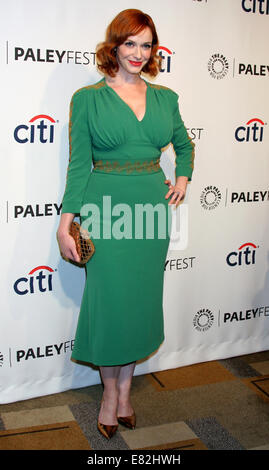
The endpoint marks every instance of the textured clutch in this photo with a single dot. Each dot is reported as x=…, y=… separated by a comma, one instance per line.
x=84, y=244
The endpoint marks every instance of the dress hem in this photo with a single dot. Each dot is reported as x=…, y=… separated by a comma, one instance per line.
x=117, y=363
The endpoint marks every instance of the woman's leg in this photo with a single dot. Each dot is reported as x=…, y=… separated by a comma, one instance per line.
x=117, y=381
x=124, y=388
x=109, y=403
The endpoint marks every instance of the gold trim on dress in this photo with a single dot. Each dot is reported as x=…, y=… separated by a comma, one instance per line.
x=127, y=166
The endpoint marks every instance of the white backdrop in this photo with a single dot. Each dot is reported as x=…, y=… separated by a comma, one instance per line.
x=216, y=288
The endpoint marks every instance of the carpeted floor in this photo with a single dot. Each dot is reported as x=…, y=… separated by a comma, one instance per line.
x=217, y=405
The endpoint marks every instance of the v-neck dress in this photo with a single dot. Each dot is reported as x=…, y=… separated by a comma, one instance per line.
x=115, y=182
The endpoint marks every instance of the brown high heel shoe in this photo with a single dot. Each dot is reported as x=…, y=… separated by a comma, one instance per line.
x=128, y=421
x=107, y=430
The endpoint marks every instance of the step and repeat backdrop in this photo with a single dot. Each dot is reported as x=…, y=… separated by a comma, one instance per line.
x=216, y=280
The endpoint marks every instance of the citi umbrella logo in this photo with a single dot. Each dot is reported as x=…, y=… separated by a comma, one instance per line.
x=39, y=279
x=252, y=131
x=256, y=6
x=244, y=256
x=166, y=56
x=39, y=129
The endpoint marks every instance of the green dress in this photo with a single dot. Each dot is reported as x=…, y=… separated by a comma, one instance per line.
x=114, y=181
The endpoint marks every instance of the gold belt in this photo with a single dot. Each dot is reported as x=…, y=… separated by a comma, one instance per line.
x=127, y=167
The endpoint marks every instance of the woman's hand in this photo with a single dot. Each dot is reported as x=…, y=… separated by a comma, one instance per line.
x=178, y=191
x=66, y=242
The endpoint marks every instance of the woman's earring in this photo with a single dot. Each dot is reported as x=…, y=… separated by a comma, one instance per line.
x=115, y=50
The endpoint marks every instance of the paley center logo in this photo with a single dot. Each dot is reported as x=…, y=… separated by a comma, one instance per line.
x=245, y=255
x=252, y=131
x=210, y=197
x=38, y=279
x=218, y=67
x=39, y=129
x=203, y=320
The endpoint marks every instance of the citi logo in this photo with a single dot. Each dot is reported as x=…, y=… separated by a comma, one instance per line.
x=166, y=56
x=251, y=132
x=256, y=6
x=41, y=129
x=39, y=280
x=245, y=255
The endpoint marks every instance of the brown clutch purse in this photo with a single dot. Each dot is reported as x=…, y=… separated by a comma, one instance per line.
x=84, y=244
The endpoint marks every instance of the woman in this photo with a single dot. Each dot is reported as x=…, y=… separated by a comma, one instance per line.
x=120, y=124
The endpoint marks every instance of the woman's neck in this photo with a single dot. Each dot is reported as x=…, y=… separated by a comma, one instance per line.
x=122, y=79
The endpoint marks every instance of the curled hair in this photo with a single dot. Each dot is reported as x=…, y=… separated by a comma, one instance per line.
x=127, y=23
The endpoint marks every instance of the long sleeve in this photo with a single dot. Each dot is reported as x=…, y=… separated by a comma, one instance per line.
x=182, y=144
x=80, y=153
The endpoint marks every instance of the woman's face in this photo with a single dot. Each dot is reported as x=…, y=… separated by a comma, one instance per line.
x=135, y=52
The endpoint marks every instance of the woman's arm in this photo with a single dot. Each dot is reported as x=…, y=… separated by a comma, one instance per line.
x=80, y=153
x=78, y=172
x=183, y=148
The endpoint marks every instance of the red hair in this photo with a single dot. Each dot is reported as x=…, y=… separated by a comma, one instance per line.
x=127, y=23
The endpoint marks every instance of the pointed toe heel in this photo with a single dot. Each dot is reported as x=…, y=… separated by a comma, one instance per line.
x=128, y=421
x=107, y=430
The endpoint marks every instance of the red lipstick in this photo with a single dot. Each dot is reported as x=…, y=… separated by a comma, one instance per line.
x=136, y=64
